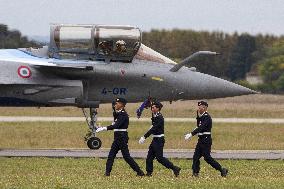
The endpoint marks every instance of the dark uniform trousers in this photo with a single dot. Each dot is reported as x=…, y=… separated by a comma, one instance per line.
x=156, y=151
x=121, y=143
x=203, y=148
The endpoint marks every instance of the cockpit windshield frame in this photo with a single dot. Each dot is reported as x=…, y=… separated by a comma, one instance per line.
x=99, y=42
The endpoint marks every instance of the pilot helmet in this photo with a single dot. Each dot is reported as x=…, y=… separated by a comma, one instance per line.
x=120, y=45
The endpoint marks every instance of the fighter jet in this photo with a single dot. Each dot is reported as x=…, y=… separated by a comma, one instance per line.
x=87, y=65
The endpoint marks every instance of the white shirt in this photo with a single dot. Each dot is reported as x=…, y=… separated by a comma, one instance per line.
x=156, y=114
x=203, y=114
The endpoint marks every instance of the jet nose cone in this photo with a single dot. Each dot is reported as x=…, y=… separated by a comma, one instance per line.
x=232, y=89
x=206, y=86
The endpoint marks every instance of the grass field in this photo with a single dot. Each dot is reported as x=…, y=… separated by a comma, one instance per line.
x=88, y=173
x=250, y=106
x=70, y=135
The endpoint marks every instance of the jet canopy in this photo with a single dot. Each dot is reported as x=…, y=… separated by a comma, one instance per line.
x=98, y=42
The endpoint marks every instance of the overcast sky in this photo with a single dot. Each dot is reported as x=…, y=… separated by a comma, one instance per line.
x=32, y=17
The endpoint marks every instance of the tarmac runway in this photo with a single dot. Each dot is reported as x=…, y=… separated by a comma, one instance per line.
x=142, y=153
x=72, y=119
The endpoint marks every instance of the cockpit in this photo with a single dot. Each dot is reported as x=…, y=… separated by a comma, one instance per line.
x=108, y=43
x=97, y=42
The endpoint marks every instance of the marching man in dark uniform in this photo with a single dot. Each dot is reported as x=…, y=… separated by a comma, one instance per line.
x=119, y=126
x=157, y=144
x=203, y=147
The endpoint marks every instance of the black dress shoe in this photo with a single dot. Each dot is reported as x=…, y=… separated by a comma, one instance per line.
x=195, y=174
x=107, y=174
x=176, y=171
x=140, y=174
x=224, y=172
x=149, y=174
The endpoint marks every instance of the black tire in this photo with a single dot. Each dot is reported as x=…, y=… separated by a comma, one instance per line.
x=94, y=143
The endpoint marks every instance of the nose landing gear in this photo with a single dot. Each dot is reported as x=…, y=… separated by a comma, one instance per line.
x=93, y=142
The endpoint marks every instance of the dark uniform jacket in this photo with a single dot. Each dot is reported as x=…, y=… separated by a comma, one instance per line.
x=121, y=121
x=157, y=125
x=204, y=124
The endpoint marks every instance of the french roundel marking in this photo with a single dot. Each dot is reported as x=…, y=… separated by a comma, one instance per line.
x=24, y=72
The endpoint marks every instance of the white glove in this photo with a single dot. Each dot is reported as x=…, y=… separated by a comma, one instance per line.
x=188, y=136
x=142, y=140
x=101, y=129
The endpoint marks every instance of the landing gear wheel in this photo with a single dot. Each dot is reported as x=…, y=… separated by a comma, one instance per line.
x=94, y=143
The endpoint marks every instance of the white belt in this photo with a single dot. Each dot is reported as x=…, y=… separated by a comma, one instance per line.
x=158, y=136
x=120, y=130
x=204, y=133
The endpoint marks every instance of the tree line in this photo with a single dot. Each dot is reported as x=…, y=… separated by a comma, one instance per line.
x=239, y=54
x=11, y=39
